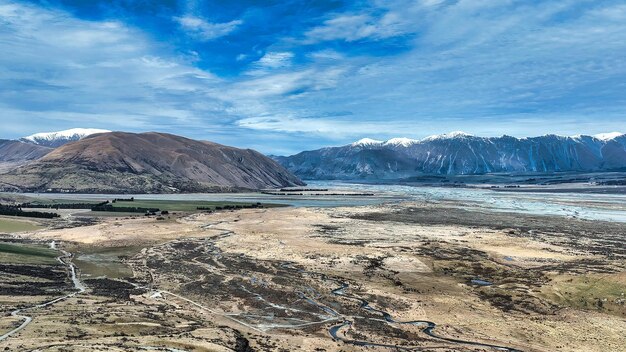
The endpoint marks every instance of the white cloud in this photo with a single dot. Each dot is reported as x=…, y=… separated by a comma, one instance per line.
x=203, y=30
x=354, y=27
x=327, y=54
x=119, y=79
x=330, y=127
x=63, y=69
x=281, y=84
x=275, y=60
x=380, y=21
x=481, y=66
x=270, y=62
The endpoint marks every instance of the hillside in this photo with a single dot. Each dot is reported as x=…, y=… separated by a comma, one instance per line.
x=147, y=163
x=460, y=154
x=15, y=153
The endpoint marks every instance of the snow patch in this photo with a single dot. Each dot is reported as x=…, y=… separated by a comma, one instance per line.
x=403, y=142
x=61, y=137
x=366, y=142
x=608, y=136
x=455, y=134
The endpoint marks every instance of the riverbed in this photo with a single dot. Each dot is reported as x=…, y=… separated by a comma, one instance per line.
x=605, y=207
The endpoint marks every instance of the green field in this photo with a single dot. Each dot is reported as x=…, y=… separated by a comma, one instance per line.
x=10, y=225
x=27, y=253
x=169, y=205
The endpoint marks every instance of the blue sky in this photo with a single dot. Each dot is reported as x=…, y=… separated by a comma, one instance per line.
x=284, y=76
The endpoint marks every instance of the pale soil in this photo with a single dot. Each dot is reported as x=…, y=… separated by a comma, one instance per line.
x=122, y=232
x=331, y=241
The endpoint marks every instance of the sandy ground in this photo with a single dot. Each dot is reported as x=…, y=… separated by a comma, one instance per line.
x=540, y=300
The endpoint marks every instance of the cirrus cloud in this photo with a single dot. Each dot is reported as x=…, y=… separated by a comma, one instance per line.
x=324, y=74
x=204, y=30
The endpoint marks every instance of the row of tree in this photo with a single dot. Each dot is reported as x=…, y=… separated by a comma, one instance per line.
x=63, y=205
x=14, y=210
x=232, y=207
x=108, y=207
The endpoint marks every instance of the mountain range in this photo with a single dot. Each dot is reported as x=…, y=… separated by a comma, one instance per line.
x=119, y=162
x=100, y=161
x=459, y=153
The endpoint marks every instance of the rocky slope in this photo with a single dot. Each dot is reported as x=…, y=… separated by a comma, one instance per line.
x=147, y=163
x=15, y=153
x=459, y=153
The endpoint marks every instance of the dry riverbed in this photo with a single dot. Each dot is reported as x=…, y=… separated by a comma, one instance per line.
x=383, y=277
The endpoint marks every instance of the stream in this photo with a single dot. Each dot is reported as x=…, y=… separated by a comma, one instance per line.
x=428, y=329
x=78, y=285
x=334, y=330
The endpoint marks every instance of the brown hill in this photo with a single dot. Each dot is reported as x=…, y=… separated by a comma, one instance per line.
x=148, y=163
x=15, y=153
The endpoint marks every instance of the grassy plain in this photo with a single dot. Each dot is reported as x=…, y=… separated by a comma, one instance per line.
x=26, y=253
x=8, y=225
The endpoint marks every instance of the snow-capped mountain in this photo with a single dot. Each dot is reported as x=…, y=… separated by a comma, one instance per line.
x=459, y=153
x=59, y=138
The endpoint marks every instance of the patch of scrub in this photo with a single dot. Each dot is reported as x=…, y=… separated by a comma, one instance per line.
x=599, y=292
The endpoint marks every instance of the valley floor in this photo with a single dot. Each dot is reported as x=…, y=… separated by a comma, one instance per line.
x=387, y=277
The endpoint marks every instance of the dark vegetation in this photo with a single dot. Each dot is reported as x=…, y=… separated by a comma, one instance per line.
x=15, y=210
x=621, y=182
x=113, y=288
x=124, y=209
x=37, y=280
x=598, y=237
x=232, y=207
x=242, y=344
x=63, y=205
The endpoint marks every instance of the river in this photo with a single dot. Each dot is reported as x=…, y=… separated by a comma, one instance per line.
x=606, y=207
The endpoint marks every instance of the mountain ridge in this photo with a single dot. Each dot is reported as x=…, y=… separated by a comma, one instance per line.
x=459, y=153
x=121, y=162
x=15, y=153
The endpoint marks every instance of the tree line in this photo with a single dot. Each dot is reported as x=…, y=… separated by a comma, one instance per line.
x=14, y=210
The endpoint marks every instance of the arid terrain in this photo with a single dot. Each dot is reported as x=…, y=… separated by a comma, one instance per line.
x=396, y=276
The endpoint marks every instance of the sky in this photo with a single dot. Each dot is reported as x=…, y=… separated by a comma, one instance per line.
x=286, y=76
